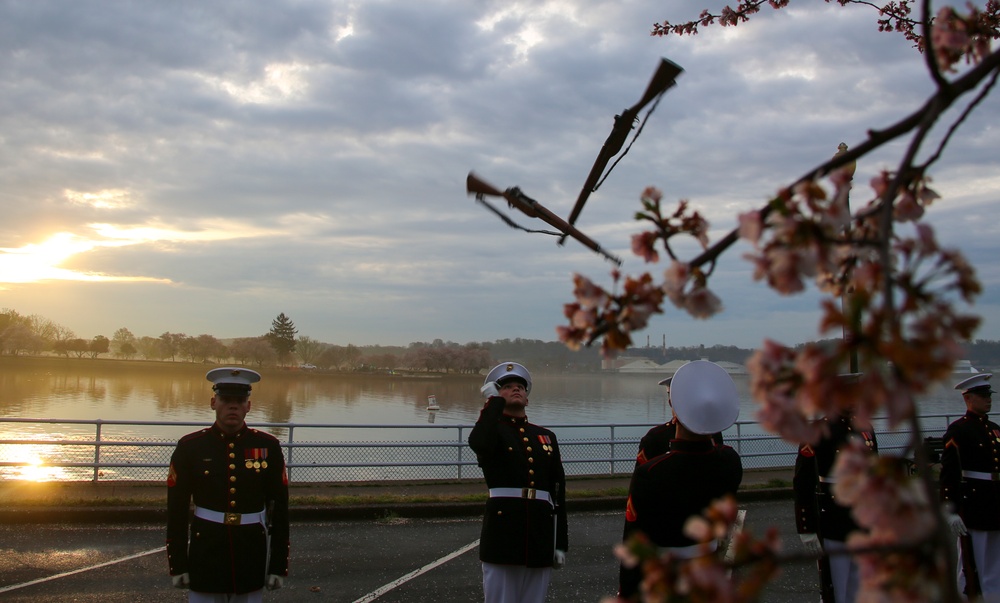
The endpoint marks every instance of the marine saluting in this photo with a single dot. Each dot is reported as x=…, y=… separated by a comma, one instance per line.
x=524, y=533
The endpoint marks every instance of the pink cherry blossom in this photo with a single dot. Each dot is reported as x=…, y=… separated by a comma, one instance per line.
x=642, y=246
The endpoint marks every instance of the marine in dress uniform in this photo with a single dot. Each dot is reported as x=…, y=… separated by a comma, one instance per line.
x=822, y=523
x=970, y=482
x=670, y=488
x=237, y=541
x=657, y=439
x=524, y=533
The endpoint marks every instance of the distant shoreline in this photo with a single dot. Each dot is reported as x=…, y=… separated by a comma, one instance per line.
x=184, y=366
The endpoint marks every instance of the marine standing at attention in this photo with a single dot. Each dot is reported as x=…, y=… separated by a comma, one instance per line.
x=670, y=488
x=822, y=523
x=970, y=484
x=657, y=439
x=237, y=542
x=524, y=533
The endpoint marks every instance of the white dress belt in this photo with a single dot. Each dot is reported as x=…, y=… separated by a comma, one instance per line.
x=990, y=477
x=529, y=493
x=231, y=519
x=693, y=550
x=823, y=479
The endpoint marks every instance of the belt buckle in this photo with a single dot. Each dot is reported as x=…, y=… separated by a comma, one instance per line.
x=528, y=493
x=232, y=519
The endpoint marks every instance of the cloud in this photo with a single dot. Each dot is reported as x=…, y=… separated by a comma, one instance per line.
x=222, y=163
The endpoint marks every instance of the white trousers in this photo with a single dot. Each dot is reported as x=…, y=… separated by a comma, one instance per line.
x=255, y=597
x=843, y=572
x=986, y=552
x=515, y=583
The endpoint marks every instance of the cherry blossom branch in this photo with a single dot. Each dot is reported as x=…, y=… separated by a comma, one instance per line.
x=936, y=104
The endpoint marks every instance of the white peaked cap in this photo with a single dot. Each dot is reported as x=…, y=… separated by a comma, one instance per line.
x=505, y=371
x=232, y=378
x=980, y=380
x=704, y=397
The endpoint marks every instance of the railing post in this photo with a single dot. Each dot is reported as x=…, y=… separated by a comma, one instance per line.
x=291, y=449
x=612, y=450
x=97, y=451
x=461, y=445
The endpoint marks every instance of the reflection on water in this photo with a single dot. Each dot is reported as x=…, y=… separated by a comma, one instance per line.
x=352, y=410
x=80, y=389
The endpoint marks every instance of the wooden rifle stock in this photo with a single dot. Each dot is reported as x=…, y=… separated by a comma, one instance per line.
x=826, y=593
x=530, y=207
x=973, y=589
x=665, y=77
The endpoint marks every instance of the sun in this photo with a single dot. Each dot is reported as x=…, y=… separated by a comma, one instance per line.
x=36, y=262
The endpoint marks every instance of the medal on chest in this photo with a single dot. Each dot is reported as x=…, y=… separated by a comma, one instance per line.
x=546, y=443
x=255, y=458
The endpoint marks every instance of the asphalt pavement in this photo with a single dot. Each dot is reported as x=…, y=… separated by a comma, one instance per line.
x=391, y=560
x=358, y=542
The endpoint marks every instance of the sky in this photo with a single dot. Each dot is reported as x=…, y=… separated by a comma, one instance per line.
x=199, y=167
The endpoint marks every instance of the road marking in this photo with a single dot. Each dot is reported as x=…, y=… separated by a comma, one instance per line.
x=375, y=594
x=6, y=589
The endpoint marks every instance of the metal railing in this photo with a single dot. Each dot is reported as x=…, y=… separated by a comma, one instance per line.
x=94, y=450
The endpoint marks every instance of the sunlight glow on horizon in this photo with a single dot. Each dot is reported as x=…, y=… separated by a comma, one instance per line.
x=37, y=262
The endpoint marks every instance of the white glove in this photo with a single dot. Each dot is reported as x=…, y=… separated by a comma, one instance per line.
x=274, y=582
x=559, y=559
x=811, y=542
x=490, y=389
x=956, y=525
x=181, y=580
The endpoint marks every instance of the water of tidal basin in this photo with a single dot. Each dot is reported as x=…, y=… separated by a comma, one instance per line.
x=141, y=391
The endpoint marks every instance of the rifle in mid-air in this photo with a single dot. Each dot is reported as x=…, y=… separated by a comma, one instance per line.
x=665, y=77
x=515, y=198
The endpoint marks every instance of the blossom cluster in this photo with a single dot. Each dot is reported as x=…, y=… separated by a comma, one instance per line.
x=598, y=312
x=954, y=36
x=707, y=578
x=894, y=560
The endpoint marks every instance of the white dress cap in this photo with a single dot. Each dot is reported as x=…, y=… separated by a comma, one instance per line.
x=232, y=377
x=980, y=380
x=704, y=397
x=509, y=370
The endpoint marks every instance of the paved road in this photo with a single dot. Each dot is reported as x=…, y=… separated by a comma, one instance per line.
x=388, y=561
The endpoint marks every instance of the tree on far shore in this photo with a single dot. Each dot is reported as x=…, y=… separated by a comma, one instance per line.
x=282, y=337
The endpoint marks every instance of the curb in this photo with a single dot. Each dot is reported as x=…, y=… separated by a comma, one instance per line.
x=371, y=512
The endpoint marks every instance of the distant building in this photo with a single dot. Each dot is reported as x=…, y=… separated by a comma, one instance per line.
x=671, y=367
x=643, y=366
x=964, y=367
x=732, y=368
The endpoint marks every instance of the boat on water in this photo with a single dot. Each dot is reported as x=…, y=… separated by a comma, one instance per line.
x=432, y=403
